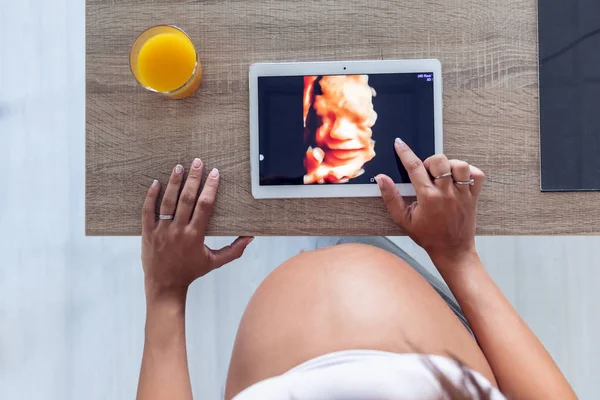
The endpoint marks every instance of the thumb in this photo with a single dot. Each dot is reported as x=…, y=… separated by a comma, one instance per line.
x=231, y=252
x=392, y=199
x=312, y=160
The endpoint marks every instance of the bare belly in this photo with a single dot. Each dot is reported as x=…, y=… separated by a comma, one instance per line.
x=345, y=297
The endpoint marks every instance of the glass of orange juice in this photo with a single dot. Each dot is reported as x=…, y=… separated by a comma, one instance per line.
x=163, y=60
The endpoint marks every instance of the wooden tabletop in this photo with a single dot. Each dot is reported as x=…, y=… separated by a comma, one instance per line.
x=488, y=50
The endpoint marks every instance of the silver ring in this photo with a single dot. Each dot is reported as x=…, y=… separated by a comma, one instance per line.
x=470, y=182
x=447, y=174
x=166, y=216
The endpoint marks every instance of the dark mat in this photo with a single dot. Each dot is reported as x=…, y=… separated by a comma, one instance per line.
x=569, y=37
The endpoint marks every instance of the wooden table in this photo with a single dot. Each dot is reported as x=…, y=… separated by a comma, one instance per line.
x=488, y=50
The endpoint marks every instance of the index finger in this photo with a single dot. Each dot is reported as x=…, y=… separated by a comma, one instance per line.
x=413, y=165
x=206, y=202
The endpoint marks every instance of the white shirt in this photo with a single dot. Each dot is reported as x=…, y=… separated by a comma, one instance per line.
x=364, y=374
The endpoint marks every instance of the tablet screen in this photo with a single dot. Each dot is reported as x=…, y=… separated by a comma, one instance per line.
x=333, y=129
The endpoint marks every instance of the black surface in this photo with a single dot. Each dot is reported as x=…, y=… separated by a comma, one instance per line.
x=404, y=106
x=569, y=36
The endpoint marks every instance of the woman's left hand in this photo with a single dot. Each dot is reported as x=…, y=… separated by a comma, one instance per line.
x=173, y=250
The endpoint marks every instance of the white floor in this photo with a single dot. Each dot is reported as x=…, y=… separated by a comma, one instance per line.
x=72, y=308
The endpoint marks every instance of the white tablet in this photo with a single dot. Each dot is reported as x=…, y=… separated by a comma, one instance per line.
x=327, y=129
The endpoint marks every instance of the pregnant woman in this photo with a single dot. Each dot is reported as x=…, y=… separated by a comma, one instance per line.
x=350, y=321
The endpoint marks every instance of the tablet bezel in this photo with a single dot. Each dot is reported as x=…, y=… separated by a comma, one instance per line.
x=335, y=68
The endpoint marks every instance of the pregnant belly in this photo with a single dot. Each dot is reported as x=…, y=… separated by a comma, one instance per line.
x=340, y=298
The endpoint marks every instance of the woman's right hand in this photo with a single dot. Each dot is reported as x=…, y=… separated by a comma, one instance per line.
x=442, y=220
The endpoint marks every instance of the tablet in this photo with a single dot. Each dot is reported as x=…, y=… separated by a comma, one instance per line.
x=327, y=129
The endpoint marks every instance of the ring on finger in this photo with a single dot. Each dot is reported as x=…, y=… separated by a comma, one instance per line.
x=447, y=174
x=166, y=216
x=470, y=182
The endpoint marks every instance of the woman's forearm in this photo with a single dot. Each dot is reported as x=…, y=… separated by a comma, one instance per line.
x=174, y=256
x=164, y=373
x=521, y=364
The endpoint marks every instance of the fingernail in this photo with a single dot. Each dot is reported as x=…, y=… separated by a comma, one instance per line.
x=399, y=141
x=178, y=169
x=214, y=173
x=197, y=163
x=250, y=240
x=154, y=183
x=378, y=180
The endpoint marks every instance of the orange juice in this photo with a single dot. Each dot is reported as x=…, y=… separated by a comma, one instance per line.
x=163, y=59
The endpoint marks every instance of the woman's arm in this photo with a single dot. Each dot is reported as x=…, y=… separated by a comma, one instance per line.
x=164, y=373
x=521, y=364
x=442, y=221
x=173, y=256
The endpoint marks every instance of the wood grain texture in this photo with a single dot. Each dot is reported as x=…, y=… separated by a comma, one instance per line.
x=488, y=50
